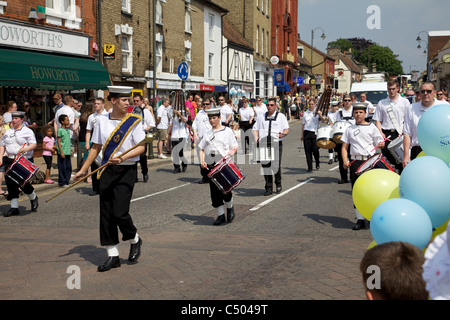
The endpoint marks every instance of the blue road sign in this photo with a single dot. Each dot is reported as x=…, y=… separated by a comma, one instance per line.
x=183, y=71
x=300, y=80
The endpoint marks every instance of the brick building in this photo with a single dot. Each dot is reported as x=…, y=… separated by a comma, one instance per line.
x=48, y=47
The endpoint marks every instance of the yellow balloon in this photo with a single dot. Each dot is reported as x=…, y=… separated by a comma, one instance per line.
x=371, y=245
x=374, y=187
x=440, y=229
x=421, y=154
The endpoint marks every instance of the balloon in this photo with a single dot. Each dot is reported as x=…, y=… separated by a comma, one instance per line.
x=426, y=181
x=371, y=245
x=433, y=132
x=440, y=229
x=421, y=154
x=401, y=220
x=374, y=187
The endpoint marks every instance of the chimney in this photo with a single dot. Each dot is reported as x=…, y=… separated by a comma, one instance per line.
x=374, y=67
x=334, y=52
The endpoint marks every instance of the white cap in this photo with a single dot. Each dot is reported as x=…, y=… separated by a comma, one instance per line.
x=213, y=111
x=120, y=91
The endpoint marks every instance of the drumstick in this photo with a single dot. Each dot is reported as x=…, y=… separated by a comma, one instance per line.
x=95, y=171
x=379, y=143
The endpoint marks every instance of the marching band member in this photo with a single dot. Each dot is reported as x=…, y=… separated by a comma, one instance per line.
x=178, y=134
x=18, y=139
x=212, y=148
x=114, y=134
x=274, y=127
x=355, y=136
x=310, y=124
x=201, y=128
x=346, y=113
x=331, y=116
x=246, y=121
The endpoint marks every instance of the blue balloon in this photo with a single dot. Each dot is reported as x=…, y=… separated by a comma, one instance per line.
x=401, y=220
x=426, y=181
x=433, y=132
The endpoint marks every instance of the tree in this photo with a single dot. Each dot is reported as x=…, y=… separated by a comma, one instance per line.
x=384, y=58
x=344, y=44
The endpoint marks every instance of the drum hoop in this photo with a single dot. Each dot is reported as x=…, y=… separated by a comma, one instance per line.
x=375, y=157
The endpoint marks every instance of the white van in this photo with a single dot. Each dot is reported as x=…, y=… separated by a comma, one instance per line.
x=375, y=91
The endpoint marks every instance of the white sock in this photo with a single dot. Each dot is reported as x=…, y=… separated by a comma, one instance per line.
x=135, y=240
x=330, y=155
x=220, y=210
x=32, y=195
x=15, y=203
x=358, y=215
x=229, y=204
x=113, y=251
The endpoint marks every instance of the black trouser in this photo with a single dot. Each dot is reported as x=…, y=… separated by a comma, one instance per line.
x=387, y=153
x=143, y=161
x=310, y=146
x=95, y=181
x=274, y=167
x=12, y=186
x=415, y=152
x=343, y=172
x=353, y=176
x=245, y=125
x=176, y=157
x=218, y=198
x=116, y=189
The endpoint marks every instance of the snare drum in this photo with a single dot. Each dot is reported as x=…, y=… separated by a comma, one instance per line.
x=21, y=170
x=396, y=149
x=339, y=128
x=226, y=175
x=377, y=161
x=325, y=138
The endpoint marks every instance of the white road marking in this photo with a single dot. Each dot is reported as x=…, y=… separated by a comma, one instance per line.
x=160, y=192
x=333, y=168
x=262, y=204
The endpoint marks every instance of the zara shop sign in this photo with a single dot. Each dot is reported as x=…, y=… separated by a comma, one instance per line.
x=20, y=35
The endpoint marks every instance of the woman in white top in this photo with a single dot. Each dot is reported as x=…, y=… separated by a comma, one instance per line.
x=246, y=121
x=310, y=125
x=178, y=135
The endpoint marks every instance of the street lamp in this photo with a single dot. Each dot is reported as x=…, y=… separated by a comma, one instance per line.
x=312, y=47
x=418, y=35
x=418, y=46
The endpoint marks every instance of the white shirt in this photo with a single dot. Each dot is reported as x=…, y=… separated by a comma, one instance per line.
x=224, y=141
x=148, y=120
x=345, y=114
x=224, y=112
x=278, y=126
x=246, y=113
x=332, y=117
x=179, y=129
x=310, y=122
x=438, y=102
x=163, y=114
x=201, y=124
x=260, y=111
x=399, y=107
x=105, y=126
x=412, y=118
x=92, y=119
x=13, y=140
x=368, y=132
x=69, y=112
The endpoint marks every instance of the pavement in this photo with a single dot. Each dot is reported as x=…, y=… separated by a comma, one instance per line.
x=221, y=265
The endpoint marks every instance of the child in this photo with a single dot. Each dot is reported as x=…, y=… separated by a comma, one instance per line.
x=48, y=146
x=64, y=151
x=399, y=275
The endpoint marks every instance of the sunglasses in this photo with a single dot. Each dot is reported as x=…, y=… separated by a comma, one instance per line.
x=426, y=91
x=440, y=94
x=347, y=99
x=206, y=104
x=271, y=104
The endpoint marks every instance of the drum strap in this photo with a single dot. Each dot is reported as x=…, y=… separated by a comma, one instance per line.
x=362, y=141
x=269, y=134
x=393, y=119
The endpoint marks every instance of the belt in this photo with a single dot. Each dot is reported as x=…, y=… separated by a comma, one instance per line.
x=364, y=158
x=390, y=130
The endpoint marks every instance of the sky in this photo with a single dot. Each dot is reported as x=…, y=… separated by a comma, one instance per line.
x=394, y=24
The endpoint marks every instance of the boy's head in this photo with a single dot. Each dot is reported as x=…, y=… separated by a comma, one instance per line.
x=62, y=119
x=393, y=271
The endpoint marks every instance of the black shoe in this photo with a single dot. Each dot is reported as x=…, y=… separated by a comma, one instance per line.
x=176, y=170
x=145, y=177
x=203, y=180
x=220, y=219
x=360, y=224
x=34, y=204
x=330, y=161
x=335, y=159
x=309, y=170
x=12, y=212
x=318, y=167
x=135, y=251
x=279, y=188
x=94, y=193
x=230, y=214
x=342, y=181
x=268, y=192
x=183, y=168
x=112, y=262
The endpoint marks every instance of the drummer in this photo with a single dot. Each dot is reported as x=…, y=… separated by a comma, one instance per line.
x=215, y=145
x=331, y=116
x=19, y=139
x=345, y=114
x=358, y=151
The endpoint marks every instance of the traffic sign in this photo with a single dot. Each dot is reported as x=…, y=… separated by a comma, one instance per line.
x=183, y=71
x=279, y=77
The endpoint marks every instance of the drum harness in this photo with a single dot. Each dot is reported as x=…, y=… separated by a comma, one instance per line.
x=269, y=134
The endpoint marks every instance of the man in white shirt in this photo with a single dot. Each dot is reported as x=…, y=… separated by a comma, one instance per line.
x=67, y=110
x=412, y=117
x=162, y=124
x=147, y=124
x=226, y=112
x=202, y=127
x=389, y=117
x=441, y=97
x=275, y=127
x=370, y=107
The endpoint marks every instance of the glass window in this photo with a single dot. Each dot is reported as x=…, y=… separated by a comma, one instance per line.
x=211, y=27
x=210, y=65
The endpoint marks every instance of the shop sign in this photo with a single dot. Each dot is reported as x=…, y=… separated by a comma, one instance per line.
x=21, y=35
x=109, y=51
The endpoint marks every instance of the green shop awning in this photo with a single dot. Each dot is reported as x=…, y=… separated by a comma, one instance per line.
x=20, y=68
